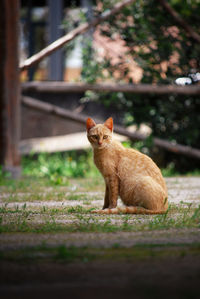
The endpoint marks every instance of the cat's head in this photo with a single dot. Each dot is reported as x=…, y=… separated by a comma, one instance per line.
x=99, y=135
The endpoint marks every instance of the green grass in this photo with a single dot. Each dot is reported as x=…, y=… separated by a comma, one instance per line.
x=25, y=220
x=71, y=254
x=59, y=199
x=186, y=218
x=58, y=167
x=45, y=252
x=47, y=178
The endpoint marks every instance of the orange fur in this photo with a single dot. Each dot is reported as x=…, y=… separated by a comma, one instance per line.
x=127, y=173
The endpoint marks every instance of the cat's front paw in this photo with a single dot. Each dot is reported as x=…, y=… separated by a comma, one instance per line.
x=105, y=207
x=96, y=211
x=105, y=211
x=110, y=211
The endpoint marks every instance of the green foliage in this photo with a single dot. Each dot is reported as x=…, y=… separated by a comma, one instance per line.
x=58, y=167
x=164, y=51
x=91, y=68
x=169, y=171
x=3, y=174
x=74, y=18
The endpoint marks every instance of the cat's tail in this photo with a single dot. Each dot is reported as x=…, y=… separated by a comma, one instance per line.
x=130, y=210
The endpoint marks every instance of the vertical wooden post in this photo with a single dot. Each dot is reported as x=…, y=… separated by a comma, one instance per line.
x=56, y=60
x=2, y=81
x=10, y=95
x=30, y=32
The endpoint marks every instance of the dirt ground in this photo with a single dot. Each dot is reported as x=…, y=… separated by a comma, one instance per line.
x=158, y=263
x=154, y=278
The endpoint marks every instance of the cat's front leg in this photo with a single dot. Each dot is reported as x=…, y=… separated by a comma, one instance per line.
x=113, y=186
x=106, y=198
x=111, y=195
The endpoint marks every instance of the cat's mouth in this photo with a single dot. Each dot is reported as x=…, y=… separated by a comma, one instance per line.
x=100, y=146
x=103, y=145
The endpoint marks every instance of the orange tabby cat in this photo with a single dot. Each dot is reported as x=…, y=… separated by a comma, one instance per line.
x=127, y=173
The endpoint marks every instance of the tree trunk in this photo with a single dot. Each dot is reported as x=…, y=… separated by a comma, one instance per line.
x=10, y=87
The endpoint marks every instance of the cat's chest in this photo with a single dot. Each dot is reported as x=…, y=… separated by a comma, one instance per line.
x=105, y=163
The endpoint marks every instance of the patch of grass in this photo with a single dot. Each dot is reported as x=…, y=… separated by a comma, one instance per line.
x=93, y=224
x=16, y=210
x=87, y=202
x=24, y=185
x=25, y=211
x=78, y=209
x=169, y=171
x=71, y=254
x=64, y=210
x=187, y=218
x=94, y=184
x=82, y=224
x=195, y=172
x=75, y=196
x=58, y=167
x=42, y=252
x=26, y=218
x=84, y=221
x=41, y=196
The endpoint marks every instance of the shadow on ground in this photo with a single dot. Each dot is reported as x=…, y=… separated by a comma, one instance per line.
x=155, y=278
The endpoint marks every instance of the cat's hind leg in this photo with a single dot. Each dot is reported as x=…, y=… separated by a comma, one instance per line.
x=129, y=210
x=146, y=197
x=148, y=194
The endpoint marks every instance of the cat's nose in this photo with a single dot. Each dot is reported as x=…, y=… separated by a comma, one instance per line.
x=99, y=142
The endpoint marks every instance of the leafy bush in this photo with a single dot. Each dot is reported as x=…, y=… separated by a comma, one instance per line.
x=58, y=167
x=164, y=51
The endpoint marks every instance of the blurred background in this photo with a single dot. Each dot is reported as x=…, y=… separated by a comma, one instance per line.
x=142, y=44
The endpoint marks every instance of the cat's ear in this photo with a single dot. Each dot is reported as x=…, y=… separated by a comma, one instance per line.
x=109, y=123
x=90, y=123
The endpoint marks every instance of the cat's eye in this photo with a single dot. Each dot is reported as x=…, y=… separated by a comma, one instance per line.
x=95, y=136
x=105, y=136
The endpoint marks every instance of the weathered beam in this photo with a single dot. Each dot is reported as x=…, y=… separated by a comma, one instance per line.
x=62, y=87
x=72, y=34
x=63, y=143
x=10, y=157
x=52, y=109
x=180, y=21
x=167, y=145
x=64, y=113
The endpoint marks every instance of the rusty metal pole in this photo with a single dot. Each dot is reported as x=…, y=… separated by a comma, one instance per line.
x=10, y=97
